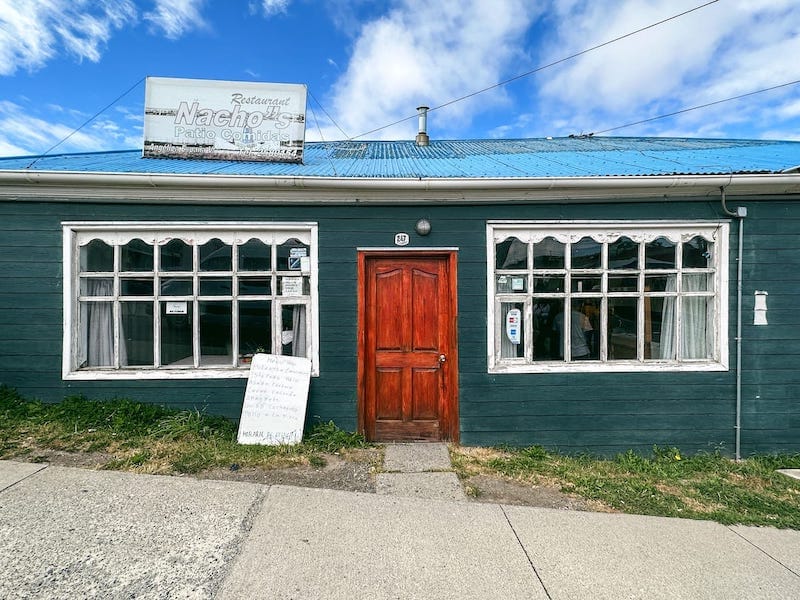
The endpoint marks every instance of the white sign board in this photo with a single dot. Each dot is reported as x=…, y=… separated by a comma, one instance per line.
x=275, y=399
x=224, y=120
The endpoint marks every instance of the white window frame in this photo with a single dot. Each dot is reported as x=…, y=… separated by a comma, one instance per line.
x=604, y=231
x=121, y=232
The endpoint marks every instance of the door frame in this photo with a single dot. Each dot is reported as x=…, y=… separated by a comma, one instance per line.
x=449, y=425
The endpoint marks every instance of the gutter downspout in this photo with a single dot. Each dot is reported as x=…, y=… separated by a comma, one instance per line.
x=740, y=214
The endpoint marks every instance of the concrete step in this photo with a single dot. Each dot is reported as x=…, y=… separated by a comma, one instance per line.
x=419, y=470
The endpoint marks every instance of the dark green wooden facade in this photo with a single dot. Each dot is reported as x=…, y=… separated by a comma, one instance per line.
x=599, y=412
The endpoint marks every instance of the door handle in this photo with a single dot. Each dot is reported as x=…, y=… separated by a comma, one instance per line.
x=442, y=358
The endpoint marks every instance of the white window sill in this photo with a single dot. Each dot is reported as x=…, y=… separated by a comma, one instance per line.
x=609, y=367
x=138, y=374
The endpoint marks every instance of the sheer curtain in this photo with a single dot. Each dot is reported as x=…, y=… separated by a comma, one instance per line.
x=694, y=329
x=299, y=345
x=97, y=328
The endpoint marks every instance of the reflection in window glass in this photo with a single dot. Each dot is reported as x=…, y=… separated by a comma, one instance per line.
x=176, y=255
x=136, y=287
x=659, y=254
x=255, y=329
x=136, y=255
x=548, y=254
x=216, y=286
x=216, y=338
x=511, y=254
x=255, y=286
x=697, y=253
x=97, y=256
x=623, y=254
x=254, y=255
x=622, y=329
x=545, y=284
x=136, y=333
x=215, y=255
x=546, y=344
x=176, y=286
x=586, y=254
x=176, y=337
x=512, y=340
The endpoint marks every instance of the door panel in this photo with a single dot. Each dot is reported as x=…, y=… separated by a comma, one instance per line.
x=407, y=314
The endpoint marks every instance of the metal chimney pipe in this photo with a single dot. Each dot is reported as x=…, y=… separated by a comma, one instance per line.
x=422, y=136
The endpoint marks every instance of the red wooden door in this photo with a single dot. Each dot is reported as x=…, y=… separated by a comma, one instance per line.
x=408, y=353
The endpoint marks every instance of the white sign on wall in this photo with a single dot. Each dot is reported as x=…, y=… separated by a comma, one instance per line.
x=274, y=409
x=224, y=120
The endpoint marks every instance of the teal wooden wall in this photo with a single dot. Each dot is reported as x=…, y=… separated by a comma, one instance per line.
x=601, y=413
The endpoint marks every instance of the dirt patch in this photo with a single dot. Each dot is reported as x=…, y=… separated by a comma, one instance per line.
x=352, y=472
x=497, y=490
x=60, y=458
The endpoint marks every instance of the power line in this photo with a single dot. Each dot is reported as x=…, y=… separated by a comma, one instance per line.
x=543, y=67
x=85, y=123
x=327, y=115
x=685, y=110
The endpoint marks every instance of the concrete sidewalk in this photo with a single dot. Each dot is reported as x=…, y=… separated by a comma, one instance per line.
x=67, y=533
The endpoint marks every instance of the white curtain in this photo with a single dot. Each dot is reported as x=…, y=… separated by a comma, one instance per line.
x=299, y=345
x=97, y=328
x=694, y=336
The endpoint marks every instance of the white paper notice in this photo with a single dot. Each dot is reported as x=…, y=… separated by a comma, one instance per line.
x=274, y=408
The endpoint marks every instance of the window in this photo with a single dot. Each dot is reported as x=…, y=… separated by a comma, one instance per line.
x=595, y=296
x=186, y=299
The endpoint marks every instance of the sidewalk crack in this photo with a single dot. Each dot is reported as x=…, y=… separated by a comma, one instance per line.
x=37, y=471
x=767, y=554
x=528, y=556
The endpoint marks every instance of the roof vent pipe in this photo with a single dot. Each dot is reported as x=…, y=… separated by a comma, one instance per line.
x=422, y=136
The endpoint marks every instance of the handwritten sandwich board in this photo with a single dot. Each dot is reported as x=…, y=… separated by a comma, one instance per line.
x=275, y=399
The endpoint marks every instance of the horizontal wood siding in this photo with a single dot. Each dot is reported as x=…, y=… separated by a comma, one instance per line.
x=602, y=413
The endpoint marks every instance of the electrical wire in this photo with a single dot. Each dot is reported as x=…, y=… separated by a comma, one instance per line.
x=542, y=67
x=85, y=123
x=699, y=106
x=322, y=108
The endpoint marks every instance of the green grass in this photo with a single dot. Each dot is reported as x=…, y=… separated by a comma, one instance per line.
x=148, y=438
x=665, y=483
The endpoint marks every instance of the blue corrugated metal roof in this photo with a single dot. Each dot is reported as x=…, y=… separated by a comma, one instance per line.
x=558, y=157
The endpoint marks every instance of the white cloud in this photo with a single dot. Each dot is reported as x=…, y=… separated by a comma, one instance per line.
x=724, y=50
x=270, y=8
x=23, y=133
x=428, y=53
x=32, y=32
x=174, y=18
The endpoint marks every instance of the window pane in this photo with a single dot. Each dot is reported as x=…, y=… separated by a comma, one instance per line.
x=511, y=254
x=548, y=285
x=579, y=326
x=290, y=255
x=176, y=336
x=216, y=286
x=623, y=254
x=512, y=330
x=136, y=255
x=97, y=256
x=254, y=255
x=659, y=283
x=697, y=253
x=545, y=337
x=215, y=333
x=621, y=327
x=548, y=254
x=659, y=328
x=255, y=286
x=589, y=308
x=136, y=287
x=623, y=283
x=512, y=284
x=698, y=282
x=94, y=286
x=136, y=333
x=176, y=255
x=255, y=329
x=293, y=331
x=695, y=328
x=660, y=254
x=294, y=286
x=586, y=254
x=215, y=256
x=586, y=284
x=97, y=334
x=176, y=286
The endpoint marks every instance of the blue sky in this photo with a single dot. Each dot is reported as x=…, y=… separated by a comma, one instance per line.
x=369, y=63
